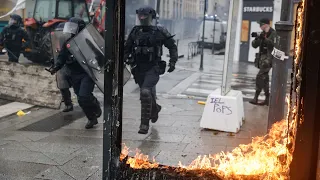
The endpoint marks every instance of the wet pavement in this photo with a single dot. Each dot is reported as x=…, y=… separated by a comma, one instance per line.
x=72, y=152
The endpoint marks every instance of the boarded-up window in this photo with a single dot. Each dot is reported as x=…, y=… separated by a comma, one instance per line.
x=245, y=31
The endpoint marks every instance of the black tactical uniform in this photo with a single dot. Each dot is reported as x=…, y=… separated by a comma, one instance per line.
x=11, y=38
x=145, y=45
x=82, y=84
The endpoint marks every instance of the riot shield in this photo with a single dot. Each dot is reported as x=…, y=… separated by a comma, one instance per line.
x=88, y=49
x=57, y=40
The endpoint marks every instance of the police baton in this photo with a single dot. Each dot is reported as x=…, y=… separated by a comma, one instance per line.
x=11, y=53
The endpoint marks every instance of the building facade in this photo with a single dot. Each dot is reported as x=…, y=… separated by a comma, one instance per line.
x=178, y=15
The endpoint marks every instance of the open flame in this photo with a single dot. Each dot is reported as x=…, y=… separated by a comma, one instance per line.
x=266, y=157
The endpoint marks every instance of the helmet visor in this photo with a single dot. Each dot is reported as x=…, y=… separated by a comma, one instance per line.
x=70, y=27
x=12, y=21
x=144, y=20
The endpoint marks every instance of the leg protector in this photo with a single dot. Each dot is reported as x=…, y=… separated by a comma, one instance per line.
x=146, y=106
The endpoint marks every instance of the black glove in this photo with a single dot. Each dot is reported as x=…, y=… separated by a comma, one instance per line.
x=171, y=67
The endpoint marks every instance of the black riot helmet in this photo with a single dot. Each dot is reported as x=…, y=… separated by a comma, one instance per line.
x=15, y=20
x=145, y=16
x=74, y=26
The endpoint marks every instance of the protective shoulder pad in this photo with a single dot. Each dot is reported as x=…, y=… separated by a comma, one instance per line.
x=165, y=32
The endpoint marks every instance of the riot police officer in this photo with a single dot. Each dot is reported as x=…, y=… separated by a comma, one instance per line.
x=82, y=83
x=144, y=44
x=11, y=38
x=263, y=61
x=63, y=78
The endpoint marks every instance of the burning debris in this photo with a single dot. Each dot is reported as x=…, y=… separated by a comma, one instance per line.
x=267, y=157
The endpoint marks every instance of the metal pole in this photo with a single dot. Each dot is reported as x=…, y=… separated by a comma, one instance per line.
x=214, y=26
x=113, y=82
x=279, y=68
x=158, y=6
x=203, y=27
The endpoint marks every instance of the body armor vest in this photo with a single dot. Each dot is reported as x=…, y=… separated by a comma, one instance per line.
x=13, y=36
x=146, y=48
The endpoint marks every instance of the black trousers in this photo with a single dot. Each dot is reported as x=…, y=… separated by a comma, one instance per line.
x=147, y=82
x=13, y=56
x=83, y=87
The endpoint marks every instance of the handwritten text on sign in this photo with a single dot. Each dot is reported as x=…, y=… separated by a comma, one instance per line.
x=220, y=107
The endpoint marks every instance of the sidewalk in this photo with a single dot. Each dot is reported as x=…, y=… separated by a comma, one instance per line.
x=72, y=152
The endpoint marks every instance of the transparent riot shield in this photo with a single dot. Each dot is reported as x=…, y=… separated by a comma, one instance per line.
x=88, y=49
x=57, y=40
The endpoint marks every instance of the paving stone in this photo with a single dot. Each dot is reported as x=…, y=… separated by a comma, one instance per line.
x=72, y=140
x=131, y=121
x=27, y=136
x=212, y=140
x=68, y=132
x=155, y=136
x=82, y=167
x=186, y=124
x=80, y=126
x=54, y=173
x=60, y=158
x=92, y=134
x=134, y=135
x=91, y=151
x=189, y=113
x=52, y=147
x=144, y=146
x=14, y=145
x=204, y=149
x=3, y=142
x=18, y=170
x=25, y=156
x=6, y=177
x=169, y=110
x=96, y=176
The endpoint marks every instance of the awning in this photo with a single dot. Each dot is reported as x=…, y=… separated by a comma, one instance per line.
x=20, y=5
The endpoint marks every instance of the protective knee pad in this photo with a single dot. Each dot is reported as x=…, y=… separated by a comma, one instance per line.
x=146, y=105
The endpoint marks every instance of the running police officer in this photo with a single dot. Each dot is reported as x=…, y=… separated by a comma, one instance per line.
x=144, y=44
x=82, y=83
x=11, y=38
x=265, y=41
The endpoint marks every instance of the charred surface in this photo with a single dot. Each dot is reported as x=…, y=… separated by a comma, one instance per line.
x=163, y=172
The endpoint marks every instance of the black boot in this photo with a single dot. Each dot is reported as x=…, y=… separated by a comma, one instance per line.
x=91, y=123
x=68, y=108
x=66, y=98
x=143, y=129
x=255, y=99
x=155, y=115
x=266, y=101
